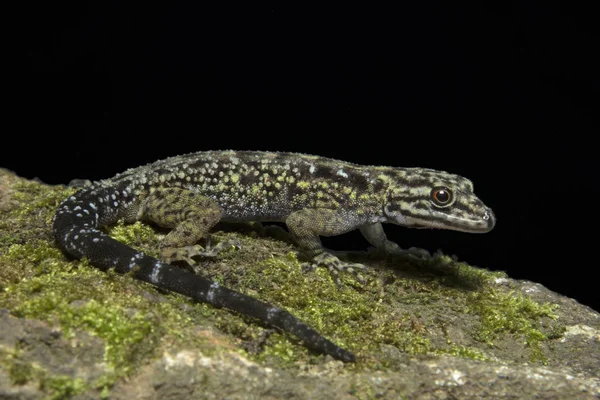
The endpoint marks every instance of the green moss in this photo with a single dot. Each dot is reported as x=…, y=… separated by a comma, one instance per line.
x=54, y=297
x=510, y=312
x=36, y=257
x=137, y=235
x=55, y=386
x=312, y=297
x=403, y=304
x=79, y=297
x=352, y=316
x=364, y=391
x=33, y=252
x=62, y=387
x=464, y=352
x=25, y=220
x=19, y=371
x=464, y=275
x=75, y=296
x=36, y=199
x=361, y=318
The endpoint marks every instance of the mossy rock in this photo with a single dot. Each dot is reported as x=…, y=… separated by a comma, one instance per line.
x=435, y=329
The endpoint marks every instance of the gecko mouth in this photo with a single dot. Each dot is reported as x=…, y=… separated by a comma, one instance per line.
x=417, y=226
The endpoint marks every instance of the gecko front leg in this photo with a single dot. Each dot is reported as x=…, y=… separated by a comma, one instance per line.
x=375, y=235
x=305, y=228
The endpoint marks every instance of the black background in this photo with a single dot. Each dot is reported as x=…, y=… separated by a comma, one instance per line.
x=504, y=94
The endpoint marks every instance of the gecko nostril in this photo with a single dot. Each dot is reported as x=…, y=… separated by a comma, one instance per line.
x=490, y=218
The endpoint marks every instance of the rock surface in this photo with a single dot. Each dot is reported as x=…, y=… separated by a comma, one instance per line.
x=67, y=331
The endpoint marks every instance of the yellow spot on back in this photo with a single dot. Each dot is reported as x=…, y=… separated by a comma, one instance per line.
x=384, y=178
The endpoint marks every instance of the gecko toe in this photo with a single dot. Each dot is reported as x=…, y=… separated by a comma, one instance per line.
x=186, y=253
x=410, y=254
x=334, y=265
x=213, y=251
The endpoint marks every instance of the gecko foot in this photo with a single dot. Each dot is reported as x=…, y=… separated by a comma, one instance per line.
x=186, y=253
x=335, y=266
x=392, y=249
x=412, y=252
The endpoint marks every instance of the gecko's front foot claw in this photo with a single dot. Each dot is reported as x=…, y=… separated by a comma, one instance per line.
x=212, y=251
x=392, y=249
x=410, y=253
x=335, y=266
x=418, y=253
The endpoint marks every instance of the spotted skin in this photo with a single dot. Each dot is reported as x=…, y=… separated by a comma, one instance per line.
x=314, y=196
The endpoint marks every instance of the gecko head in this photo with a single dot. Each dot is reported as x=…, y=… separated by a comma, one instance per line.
x=424, y=198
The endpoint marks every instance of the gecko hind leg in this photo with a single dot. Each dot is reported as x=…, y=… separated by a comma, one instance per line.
x=191, y=215
x=187, y=253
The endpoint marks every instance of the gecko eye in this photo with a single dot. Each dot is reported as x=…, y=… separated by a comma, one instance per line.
x=441, y=196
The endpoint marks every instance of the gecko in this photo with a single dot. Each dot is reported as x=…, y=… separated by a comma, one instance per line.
x=314, y=196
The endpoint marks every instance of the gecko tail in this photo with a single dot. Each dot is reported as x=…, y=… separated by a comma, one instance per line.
x=75, y=229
